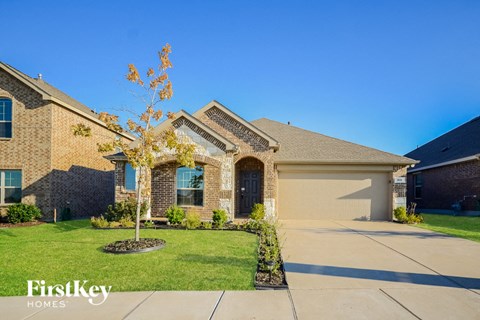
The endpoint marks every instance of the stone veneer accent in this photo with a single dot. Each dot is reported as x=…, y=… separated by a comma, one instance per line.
x=222, y=169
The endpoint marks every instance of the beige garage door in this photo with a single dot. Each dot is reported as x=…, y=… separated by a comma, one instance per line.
x=343, y=196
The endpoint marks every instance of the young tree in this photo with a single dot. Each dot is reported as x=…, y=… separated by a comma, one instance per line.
x=148, y=146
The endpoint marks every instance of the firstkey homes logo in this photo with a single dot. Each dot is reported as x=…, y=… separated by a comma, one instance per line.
x=96, y=295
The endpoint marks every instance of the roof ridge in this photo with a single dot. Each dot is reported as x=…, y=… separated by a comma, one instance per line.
x=446, y=133
x=330, y=137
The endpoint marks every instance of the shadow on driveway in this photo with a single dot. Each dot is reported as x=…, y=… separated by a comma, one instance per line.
x=383, y=275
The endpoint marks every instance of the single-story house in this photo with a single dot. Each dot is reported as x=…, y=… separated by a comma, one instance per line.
x=41, y=161
x=295, y=173
x=447, y=179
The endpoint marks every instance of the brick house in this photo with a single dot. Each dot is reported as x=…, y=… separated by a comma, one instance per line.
x=447, y=179
x=295, y=173
x=41, y=161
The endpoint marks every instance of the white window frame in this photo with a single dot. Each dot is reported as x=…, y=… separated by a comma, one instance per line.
x=3, y=187
x=8, y=121
x=177, y=188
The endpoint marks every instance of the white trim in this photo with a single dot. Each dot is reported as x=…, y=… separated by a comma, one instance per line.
x=470, y=158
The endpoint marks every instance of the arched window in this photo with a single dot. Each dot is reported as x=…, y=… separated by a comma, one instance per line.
x=190, y=186
x=5, y=118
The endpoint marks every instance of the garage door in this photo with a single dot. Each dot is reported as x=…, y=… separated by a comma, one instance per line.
x=344, y=196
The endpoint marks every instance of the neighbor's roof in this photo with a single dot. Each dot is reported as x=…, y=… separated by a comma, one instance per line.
x=48, y=89
x=50, y=93
x=302, y=146
x=461, y=143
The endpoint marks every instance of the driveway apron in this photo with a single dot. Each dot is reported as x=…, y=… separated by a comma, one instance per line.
x=374, y=270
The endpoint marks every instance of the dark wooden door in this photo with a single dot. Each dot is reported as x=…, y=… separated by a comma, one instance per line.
x=249, y=190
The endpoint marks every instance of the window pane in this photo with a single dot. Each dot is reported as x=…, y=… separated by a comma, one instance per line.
x=129, y=177
x=13, y=178
x=13, y=195
x=5, y=129
x=189, y=197
x=190, y=178
x=6, y=109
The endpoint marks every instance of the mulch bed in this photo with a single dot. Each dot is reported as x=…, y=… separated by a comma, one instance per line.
x=132, y=246
x=278, y=282
x=21, y=224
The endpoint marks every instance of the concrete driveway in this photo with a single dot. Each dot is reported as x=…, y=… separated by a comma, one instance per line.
x=379, y=270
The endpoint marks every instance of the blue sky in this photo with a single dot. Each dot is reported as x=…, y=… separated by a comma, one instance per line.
x=387, y=74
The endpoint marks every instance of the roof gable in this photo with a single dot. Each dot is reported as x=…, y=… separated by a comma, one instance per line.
x=50, y=93
x=183, y=118
x=460, y=143
x=269, y=140
x=307, y=147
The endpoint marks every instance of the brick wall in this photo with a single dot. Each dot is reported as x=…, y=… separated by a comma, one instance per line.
x=82, y=179
x=164, y=189
x=29, y=148
x=446, y=185
x=59, y=170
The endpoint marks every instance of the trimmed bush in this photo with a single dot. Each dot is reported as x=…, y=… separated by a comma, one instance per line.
x=149, y=224
x=258, y=212
x=99, y=222
x=20, y=212
x=175, y=214
x=206, y=225
x=125, y=209
x=400, y=214
x=219, y=218
x=192, y=221
x=126, y=222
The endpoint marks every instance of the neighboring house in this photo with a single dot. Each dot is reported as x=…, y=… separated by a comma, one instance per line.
x=295, y=173
x=41, y=161
x=448, y=175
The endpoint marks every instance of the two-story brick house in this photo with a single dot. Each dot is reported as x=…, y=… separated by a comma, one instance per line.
x=41, y=161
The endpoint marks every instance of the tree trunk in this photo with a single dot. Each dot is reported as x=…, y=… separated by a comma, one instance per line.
x=139, y=204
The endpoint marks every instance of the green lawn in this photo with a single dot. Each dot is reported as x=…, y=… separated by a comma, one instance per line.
x=463, y=227
x=72, y=250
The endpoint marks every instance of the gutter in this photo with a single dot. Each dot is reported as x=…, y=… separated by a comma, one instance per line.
x=447, y=163
x=412, y=162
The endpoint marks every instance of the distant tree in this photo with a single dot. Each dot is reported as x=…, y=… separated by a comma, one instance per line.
x=148, y=145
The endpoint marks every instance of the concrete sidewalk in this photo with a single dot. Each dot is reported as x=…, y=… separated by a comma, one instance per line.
x=166, y=305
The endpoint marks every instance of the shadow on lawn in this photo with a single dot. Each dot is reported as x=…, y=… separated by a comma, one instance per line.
x=66, y=226
x=8, y=233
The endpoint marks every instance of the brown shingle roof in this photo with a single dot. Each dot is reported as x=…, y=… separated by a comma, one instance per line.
x=50, y=90
x=302, y=146
x=461, y=142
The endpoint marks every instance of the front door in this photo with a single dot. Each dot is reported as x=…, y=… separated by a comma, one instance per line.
x=249, y=190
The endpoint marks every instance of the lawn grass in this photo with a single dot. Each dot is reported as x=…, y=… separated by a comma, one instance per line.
x=463, y=227
x=72, y=250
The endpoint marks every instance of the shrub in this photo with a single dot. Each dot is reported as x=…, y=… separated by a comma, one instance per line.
x=175, y=214
x=126, y=222
x=149, y=224
x=258, y=212
x=21, y=212
x=219, y=218
x=192, y=220
x=125, y=209
x=99, y=222
x=400, y=214
x=206, y=225
x=409, y=217
x=114, y=224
